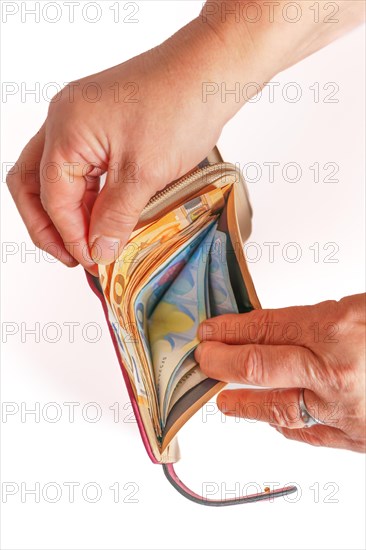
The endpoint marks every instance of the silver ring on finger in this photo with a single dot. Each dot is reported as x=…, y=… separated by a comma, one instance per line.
x=306, y=417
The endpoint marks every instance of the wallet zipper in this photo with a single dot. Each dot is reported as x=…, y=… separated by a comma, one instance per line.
x=195, y=181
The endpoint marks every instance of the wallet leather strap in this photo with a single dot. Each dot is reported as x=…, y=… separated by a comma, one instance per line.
x=178, y=484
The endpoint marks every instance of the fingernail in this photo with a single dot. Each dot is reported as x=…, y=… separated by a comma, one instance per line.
x=197, y=353
x=70, y=262
x=105, y=250
x=222, y=403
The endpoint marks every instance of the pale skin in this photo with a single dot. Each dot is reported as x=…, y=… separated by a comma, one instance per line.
x=144, y=145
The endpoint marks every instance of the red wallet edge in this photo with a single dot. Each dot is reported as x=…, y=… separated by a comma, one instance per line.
x=124, y=372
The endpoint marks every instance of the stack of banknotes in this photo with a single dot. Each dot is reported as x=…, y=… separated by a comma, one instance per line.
x=171, y=275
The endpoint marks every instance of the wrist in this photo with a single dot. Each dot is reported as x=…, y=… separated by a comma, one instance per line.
x=280, y=34
x=221, y=65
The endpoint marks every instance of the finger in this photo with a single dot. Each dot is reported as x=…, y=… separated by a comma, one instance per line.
x=257, y=365
x=321, y=436
x=24, y=185
x=115, y=214
x=91, y=191
x=290, y=325
x=91, y=194
x=278, y=407
x=63, y=189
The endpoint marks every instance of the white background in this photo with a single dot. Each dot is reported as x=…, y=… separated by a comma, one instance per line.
x=35, y=290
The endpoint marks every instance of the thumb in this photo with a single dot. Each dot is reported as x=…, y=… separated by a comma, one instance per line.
x=115, y=214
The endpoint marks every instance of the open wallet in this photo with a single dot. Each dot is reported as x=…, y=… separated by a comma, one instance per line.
x=184, y=263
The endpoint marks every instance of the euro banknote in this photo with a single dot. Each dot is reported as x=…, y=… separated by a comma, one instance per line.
x=171, y=275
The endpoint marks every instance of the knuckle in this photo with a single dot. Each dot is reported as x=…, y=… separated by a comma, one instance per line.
x=278, y=415
x=353, y=309
x=65, y=145
x=346, y=381
x=339, y=379
x=341, y=313
x=249, y=364
x=319, y=373
x=282, y=414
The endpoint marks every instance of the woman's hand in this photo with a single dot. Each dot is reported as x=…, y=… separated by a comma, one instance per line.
x=148, y=121
x=142, y=122
x=320, y=348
